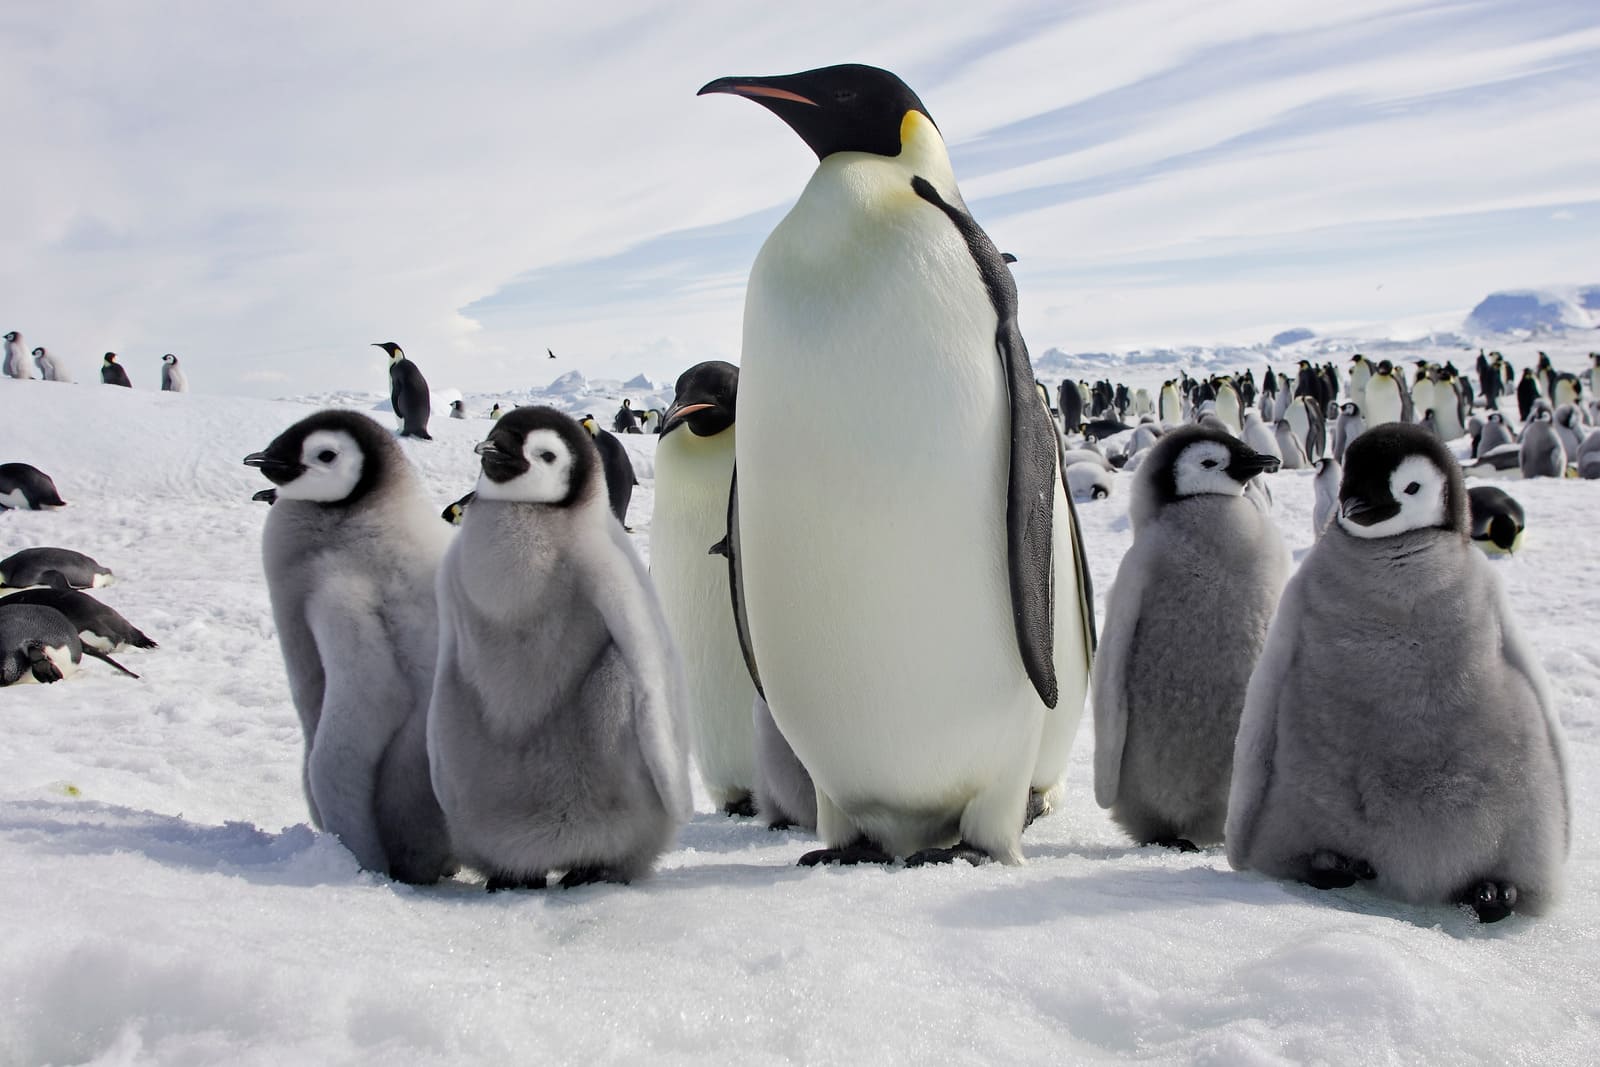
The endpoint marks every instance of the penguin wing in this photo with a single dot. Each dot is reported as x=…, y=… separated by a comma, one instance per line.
x=729, y=548
x=1519, y=656
x=418, y=403
x=1110, y=682
x=1034, y=470
x=1257, y=741
x=620, y=587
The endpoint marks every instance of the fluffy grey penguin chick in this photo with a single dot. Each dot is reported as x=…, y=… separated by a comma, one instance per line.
x=557, y=733
x=350, y=548
x=1185, y=620
x=1398, y=728
x=1326, y=486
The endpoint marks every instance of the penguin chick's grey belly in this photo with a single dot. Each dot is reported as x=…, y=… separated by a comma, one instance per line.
x=542, y=768
x=1190, y=662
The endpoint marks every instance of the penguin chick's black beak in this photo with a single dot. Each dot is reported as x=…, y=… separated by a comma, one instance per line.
x=1243, y=468
x=277, y=469
x=499, y=465
x=1364, y=513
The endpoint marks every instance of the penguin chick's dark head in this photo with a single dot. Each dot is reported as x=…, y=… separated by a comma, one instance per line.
x=169, y=359
x=847, y=108
x=704, y=400
x=394, y=350
x=11, y=336
x=333, y=457
x=1398, y=478
x=537, y=455
x=1197, y=460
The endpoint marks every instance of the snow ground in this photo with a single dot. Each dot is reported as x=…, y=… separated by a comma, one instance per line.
x=168, y=904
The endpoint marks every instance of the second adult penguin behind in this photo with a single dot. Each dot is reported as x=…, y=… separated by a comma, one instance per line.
x=1185, y=621
x=408, y=393
x=925, y=684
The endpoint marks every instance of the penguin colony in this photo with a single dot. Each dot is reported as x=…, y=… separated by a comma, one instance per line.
x=521, y=697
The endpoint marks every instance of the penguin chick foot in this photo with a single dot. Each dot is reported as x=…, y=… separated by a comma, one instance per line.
x=1492, y=901
x=1178, y=844
x=44, y=669
x=858, y=851
x=1330, y=870
x=502, y=881
x=590, y=876
x=742, y=806
x=961, y=850
x=780, y=824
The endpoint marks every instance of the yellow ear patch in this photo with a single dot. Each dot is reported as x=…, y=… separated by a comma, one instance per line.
x=914, y=127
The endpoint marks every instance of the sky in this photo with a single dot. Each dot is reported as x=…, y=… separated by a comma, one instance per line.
x=265, y=190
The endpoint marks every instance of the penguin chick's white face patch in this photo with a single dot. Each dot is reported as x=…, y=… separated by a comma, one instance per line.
x=333, y=462
x=547, y=479
x=1203, y=468
x=1419, y=488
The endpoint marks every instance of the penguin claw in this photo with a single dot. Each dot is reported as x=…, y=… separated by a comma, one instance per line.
x=858, y=851
x=780, y=824
x=1179, y=844
x=1037, y=808
x=961, y=850
x=499, y=882
x=1330, y=870
x=590, y=876
x=742, y=806
x=1490, y=900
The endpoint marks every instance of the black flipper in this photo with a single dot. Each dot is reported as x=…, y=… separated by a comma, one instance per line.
x=87, y=651
x=729, y=547
x=1034, y=469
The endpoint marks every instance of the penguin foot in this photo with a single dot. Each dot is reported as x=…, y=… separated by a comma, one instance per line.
x=858, y=851
x=780, y=824
x=502, y=881
x=590, y=876
x=42, y=666
x=742, y=806
x=1492, y=901
x=1037, y=806
x=1179, y=844
x=1330, y=870
x=961, y=850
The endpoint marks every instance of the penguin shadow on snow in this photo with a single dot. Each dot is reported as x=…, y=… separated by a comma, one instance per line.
x=1101, y=891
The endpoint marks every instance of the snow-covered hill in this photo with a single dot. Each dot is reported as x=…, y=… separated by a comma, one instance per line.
x=166, y=903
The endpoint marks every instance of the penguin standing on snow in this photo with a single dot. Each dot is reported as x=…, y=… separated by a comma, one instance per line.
x=350, y=549
x=1347, y=427
x=408, y=393
x=1197, y=587
x=556, y=731
x=1259, y=437
x=173, y=380
x=1398, y=729
x=16, y=364
x=458, y=410
x=1527, y=393
x=619, y=472
x=1495, y=434
x=1541, y=453
x=858, y=650
x=694, y=473
x=1385, y=401
x=51, y=369
x=1325, y=486
x=27, y=488
x=112, y=372
x=627, y=420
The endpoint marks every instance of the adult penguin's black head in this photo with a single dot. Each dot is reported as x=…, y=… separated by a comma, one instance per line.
x=391, y=348
x=704, y=400
x=847, y=108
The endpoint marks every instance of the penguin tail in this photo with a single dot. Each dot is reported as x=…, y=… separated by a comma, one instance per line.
x=107, y=659
x=139, y=639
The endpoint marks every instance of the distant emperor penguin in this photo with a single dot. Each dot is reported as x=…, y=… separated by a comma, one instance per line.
x=1398, y=729
x=51, y=369
x=113, y=373
x=915, y=588
x=408, y=393
x=173, y=380
x=694, y=471
x=16, y=362
x=556, y=732
x=350, y=549
x=1185, y=621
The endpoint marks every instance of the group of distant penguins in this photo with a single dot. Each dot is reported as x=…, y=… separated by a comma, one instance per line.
x=881, y=626
x=52, y=369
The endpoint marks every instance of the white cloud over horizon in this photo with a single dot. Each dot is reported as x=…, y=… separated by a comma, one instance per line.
x=267, y=190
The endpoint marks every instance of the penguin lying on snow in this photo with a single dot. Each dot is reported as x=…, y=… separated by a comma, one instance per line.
x=855, y=645
x=350, y=550
x=39, y=644
x=456, y=511
x=29, y=566
x=1497, y=520
x=556, y=733
x=27, y=488
x=1197, y=587
x=1439, y=777
x=99, y=627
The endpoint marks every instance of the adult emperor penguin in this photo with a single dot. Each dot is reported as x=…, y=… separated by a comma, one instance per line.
x=30, y=565
x=173, y=380
x=27, y=488
x=694, y=472
x=1360, y=374
x=1325, y=487
x=1527, y=393
x=1259, y=437
x=1228, y=405
x=112, y=372
x=618, y=468
x=1347, y=427
x=1384, y=396
x=1497, y=519
x=1398, y=728
x=16, y=362
x=51, y=369
x=1197, y=587
x=1542, y=454
x=556, y=732
x=408, y=393
x=924, y=710
x=350, y=550
x=1070, y=401
x=1169, y=403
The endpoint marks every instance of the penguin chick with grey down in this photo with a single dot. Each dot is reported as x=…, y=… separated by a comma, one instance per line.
x=557, y=733
x=1185, y=620
x=1398, y=729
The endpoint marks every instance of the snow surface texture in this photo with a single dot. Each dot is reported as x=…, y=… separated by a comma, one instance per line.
x=167, y=903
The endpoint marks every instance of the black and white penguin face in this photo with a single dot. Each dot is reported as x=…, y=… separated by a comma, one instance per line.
x=330, y=468
x=1495, y=416
x=1541, y=415
x=12, y=336
x=1399, y=478
x=170, y=360
x=394, y=351
x=705, y=399
x=1350, y=408
x=1199, y=460
x=37, y=352
x=847, y=108
x=332, y=457
x=537, y=455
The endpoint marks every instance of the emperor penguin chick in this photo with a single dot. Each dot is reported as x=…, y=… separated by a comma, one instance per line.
x=556, y=733
x=1185, y=621
x=694, y=472
x=350, y=547
x=1398, y=728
